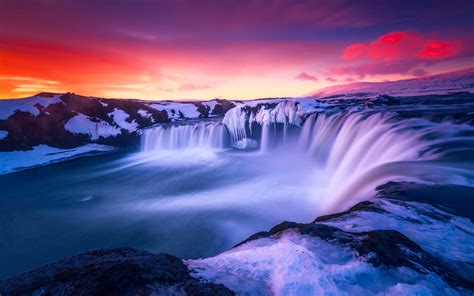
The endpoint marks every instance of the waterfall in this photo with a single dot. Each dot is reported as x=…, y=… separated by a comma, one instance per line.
x=240, y=122
x=203, y=134
x=356, y=150
x=360, y=150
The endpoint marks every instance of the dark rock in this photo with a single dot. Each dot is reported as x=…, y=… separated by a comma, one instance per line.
x=381, y=248
x=448, y=197
x=222, y=107
x=116, y=271
x=366, y=206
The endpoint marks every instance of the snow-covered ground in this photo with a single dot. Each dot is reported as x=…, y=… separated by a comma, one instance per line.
x=43, y=155
x=31, y=105
x=81, y=124
x=458, y=81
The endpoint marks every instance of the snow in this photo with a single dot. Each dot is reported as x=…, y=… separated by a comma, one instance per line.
x=9, y=107
x=211, y=105
x=43, y=155
x=295, y=264
x=448, y=238
x=120, y=116
x=436, y=84
x=188, y=109
x=3, y=134
x=144, y=113
x=82, y=124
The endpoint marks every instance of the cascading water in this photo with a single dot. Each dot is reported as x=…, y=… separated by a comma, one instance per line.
x=353, y=151
x=362, y=150
x=203, y=134
x=358, y=150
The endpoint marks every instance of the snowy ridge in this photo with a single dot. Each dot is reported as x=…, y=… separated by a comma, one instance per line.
x=69, y=120
x=31, y=105
x=458, y=81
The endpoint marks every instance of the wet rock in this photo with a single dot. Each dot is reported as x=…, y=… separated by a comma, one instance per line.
x=448, y=197
x=115, y=271
x=362, y=206
x=383, y=248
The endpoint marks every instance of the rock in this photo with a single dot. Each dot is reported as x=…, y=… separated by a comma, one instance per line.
x=381, y=248
x=362, y=206
x=448, y=197
x=115, y=271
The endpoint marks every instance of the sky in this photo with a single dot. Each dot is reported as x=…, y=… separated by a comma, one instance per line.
x=242, y=49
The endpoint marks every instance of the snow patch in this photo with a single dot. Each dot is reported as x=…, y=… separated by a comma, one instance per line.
x=120, y=118
x=43, y=155
x=3, y=134
x=189, y=110
x=144, y=113
x=10, y=106
x=82, y=124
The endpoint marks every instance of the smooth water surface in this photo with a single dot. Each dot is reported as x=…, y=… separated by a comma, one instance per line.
x=191, y=203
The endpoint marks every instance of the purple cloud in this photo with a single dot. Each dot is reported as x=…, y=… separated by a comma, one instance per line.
x=306, y=76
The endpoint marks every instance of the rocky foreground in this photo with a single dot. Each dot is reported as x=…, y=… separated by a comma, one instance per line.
x=393, y=244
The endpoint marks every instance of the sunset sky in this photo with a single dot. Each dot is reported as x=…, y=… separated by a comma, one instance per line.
x=230, y=49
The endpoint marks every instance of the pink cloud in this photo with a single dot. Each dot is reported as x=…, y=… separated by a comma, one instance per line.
x=399, y=53
x=191, y=86
x=305, y=76
x=330, y=79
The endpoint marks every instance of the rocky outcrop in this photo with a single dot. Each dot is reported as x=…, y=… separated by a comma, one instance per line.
x=449, y=197
x=116, y=271
x=47, y=119
x=384, y=248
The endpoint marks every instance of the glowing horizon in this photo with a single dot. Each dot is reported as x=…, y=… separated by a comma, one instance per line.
x=239, y=50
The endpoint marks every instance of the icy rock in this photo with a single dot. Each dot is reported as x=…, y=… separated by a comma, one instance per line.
x=246, y=143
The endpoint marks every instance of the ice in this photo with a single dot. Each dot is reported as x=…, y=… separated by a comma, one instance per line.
x=295, y=264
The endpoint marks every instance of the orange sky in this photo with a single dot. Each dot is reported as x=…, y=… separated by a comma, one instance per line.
x=164, y=50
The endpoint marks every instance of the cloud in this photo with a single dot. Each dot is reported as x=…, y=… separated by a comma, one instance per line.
x=419, y=72
x=191, y=86
x=402, y=52
x=331, y=79
x=305, y=76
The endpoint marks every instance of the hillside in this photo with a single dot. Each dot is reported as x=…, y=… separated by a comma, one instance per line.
x=458, y=81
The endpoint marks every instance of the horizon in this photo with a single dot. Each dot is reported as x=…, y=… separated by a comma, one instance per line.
x=236, y=99
x=246, y=50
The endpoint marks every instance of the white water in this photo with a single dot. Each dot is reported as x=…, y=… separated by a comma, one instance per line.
x=352, y=152
x=356, y=151
x=198, y=135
